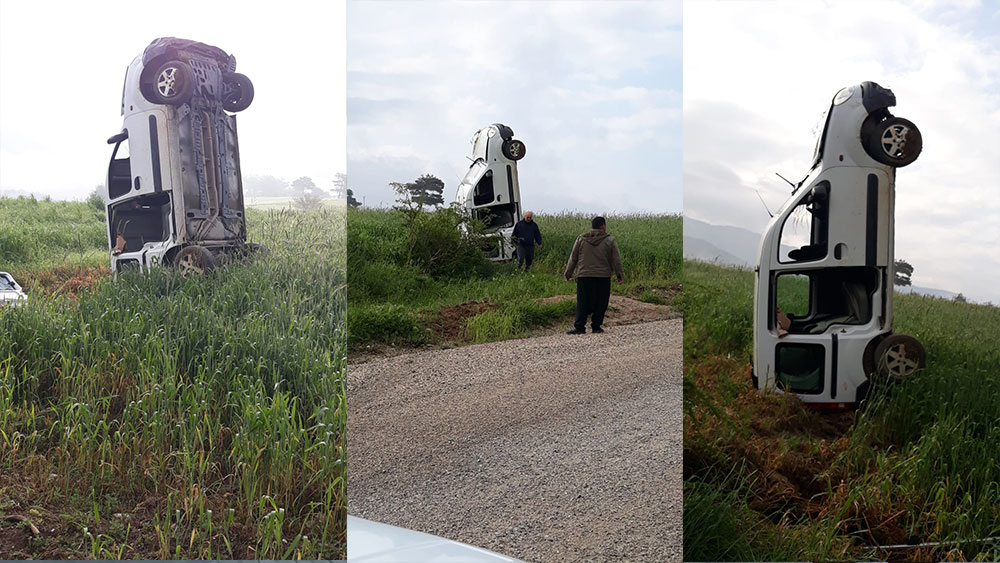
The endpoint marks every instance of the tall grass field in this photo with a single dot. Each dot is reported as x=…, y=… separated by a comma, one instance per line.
x=156, y=416
x=398, y=283
x=915, y=477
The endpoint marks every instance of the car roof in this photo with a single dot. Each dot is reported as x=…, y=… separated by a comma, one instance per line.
x=370, y=542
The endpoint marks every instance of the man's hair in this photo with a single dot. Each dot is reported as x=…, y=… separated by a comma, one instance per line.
x=597, y=222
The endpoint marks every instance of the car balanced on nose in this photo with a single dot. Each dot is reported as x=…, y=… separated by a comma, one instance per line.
x=823, y=298
x=490, y=190
x=174, y=191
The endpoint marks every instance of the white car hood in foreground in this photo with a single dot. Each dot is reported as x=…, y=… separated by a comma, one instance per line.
x=370, y=542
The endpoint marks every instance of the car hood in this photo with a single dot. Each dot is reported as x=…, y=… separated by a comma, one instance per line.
x=371, y=542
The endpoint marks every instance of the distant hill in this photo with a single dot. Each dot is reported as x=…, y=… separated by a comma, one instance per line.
x=701, y=249
x=734, y=246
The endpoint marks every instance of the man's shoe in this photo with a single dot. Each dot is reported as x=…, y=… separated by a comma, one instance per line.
x=576, y=331
x=597, y=330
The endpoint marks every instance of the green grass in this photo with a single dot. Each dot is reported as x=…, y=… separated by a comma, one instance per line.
x=920, y=464
x=390, y=293
x=208, y=414
x=40, y=233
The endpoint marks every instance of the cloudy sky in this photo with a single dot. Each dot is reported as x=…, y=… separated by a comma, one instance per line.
x=62, y=65
x=592, y=89
x=757, y=77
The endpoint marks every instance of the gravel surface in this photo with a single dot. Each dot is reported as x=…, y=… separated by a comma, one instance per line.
x=555, y=448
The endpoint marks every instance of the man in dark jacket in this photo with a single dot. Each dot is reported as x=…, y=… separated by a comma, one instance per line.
x=594, y=258
x=526, y=234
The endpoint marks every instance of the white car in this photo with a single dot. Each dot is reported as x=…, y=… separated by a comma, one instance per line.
x=372, y=542
x=824, y=289
x=174, y=191
x=10, y=292
x=490, y=190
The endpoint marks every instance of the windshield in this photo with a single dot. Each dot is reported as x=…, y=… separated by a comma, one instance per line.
x=6, y=284
x=820, y=136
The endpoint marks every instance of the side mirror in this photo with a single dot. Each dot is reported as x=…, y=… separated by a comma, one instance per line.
x=119, y=137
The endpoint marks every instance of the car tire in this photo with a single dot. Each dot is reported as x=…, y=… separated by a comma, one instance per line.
x=894, y=141
x=194, y=260
x=172, y=84
x=513, y=149
x=238, y=92
x=868, y=357
x=899, y=356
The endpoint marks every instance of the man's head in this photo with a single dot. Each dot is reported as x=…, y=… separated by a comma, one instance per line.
x=528, y=216
x=598, y=223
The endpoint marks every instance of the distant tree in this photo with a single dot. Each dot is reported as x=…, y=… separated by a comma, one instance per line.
x=903, y=272
x=305, y=185
x=425, y=190
x=351, y=202
x=961, y=298
x=340, y=185
x=95, y=199
x=309, y=195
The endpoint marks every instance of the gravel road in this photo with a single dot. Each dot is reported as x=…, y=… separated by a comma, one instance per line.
x=555, y=448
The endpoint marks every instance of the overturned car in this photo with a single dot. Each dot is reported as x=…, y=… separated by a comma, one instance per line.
x=823, y=303
x=174, y=190
x=490, y=191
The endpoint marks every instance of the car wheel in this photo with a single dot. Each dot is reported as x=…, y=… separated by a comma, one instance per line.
x=513, y=149
x=238, y=92
x=894, y=141
x=868, y=357
x=173, y=83
x=195, y=260
x=899, y=356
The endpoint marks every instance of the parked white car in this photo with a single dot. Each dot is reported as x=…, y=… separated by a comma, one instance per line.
x=10, y=292
x=490, y=190
x=174, y=191
x=823, y=310
x=372, y=542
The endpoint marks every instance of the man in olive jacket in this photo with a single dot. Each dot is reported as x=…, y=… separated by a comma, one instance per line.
x=594, y=258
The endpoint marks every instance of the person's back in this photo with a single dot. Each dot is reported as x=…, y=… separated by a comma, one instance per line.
x=598, y=255
x=594, y=259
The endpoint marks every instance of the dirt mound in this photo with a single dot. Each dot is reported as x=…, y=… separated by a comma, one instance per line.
x=449, y=324
x=65, y=279
x=625, y=311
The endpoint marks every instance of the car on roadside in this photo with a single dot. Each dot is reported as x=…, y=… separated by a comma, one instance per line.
x=374, y=542
x=490, y=191
x=823, y=299
x=10, y=292
x=174, y=190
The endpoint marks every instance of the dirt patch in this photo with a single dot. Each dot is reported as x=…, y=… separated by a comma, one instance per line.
x=790, y=447
x=667, y=294
x=625, y=311
x=66, y=279
x=449, y=324
x=14, y=539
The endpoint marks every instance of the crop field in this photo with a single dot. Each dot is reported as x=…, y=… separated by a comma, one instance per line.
x=156, y=416
x=416, y=286
x=288, y=202
x=766, y=479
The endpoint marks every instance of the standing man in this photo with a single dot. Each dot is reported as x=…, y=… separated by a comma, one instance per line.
x=526, y=234
x=596, y=254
